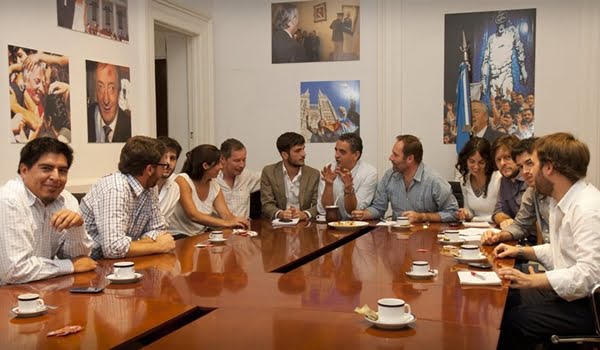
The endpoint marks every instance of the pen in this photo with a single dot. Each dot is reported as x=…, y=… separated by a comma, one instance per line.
x=475, y=274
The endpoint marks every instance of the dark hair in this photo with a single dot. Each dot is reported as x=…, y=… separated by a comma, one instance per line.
x=284, y=13
x=56, y=111
x=508, y=141
x=287, y=140
x=476, y=145
x=170, y=143
x=230, y=145
x=529, y=109
x=412, y=146
x=139, y=152
x=355, y=142
x=525, y=145
x=36, y=148
x=197, y=157
x=568, y=156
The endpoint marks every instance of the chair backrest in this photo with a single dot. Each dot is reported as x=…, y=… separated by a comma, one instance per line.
x=457, y=192
x=255, y=205
x=595, y=296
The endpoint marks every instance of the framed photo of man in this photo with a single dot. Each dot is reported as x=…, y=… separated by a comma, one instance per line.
x=320, y=12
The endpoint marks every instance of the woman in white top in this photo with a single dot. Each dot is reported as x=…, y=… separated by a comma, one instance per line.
x=479, y=182
x=200, y=197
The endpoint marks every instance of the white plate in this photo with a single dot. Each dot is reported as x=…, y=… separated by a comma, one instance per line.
x=214, y=240
x=408, y=319
x=462, y=260
x=430, y=274
x=35, y=313
x=113, y=279
x=458, y=241
x=348, y=225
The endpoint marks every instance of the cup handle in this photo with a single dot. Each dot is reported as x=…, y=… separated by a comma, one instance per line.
x=407, y=307
x=40, y=303
x=210, y=236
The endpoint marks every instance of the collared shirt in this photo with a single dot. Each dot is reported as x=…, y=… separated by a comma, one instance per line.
x=238, y=196
x=534, y=208
x=118, y=210
x=364, y=182
x=100, y=136
x=481, y=132
x=168, y=197
x=30, y=248
x=292, y=188
x=509, y=197
x=573, y=254
x=428, y=193
x=481, y=207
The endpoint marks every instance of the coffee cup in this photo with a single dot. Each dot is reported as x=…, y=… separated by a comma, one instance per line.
x=392, y=310
x=402, y=221
x=30, y=302
x=216, y=236
x=469, y=251
x=420, y=267
x=452, y=235
x=321, y=218
x=332, y=213
x=124, y=269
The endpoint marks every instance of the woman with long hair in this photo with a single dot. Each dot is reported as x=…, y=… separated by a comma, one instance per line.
x=201, y=202
x=478, y=180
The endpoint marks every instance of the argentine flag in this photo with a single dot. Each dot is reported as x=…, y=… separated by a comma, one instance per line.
x=463, y=107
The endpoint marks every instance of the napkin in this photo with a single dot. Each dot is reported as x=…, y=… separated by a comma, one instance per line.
x=365, y=310
x=278, y=222
x=483, y=278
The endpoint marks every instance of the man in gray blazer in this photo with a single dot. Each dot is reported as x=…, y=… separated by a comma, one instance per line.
x=289, y=189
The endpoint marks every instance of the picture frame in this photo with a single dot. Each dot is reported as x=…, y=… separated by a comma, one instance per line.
x=320, y=12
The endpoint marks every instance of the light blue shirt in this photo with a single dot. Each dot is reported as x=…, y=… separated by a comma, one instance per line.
x=428, y=193
x=364, y=181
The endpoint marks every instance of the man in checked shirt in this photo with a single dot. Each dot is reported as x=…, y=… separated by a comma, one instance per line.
x=121, y=211
x=41, y=231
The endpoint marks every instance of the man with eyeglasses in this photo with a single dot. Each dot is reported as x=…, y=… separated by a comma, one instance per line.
x=121, y=211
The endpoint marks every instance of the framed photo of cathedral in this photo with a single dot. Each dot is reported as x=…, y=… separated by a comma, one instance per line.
x=329, y=109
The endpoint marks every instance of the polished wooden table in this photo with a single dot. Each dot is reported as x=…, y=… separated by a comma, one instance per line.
x=292, y=287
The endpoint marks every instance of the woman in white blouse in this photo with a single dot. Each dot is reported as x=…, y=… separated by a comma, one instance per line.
x=478, y=180
x=200, y=197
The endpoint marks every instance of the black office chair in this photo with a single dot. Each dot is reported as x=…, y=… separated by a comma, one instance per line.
x=595, y=298
x=79, y=196
x=457, y=192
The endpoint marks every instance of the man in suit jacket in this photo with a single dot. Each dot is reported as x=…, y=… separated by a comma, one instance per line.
x=480, y=116
x=107, y=122
x=284, y=48
x=288, y=189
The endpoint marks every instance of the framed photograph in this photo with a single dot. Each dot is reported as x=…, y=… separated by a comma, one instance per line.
x=320, y=12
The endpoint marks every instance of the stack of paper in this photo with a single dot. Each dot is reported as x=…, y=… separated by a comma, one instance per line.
x=279, y=223
x=483, y=278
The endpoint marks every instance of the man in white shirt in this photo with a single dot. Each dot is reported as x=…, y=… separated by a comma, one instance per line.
x=168, y=191
x=350, y=183
x=237, y=182
x=556, y=302
x=41, y=231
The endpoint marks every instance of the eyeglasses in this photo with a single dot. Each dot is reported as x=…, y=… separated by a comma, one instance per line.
x=164, y=165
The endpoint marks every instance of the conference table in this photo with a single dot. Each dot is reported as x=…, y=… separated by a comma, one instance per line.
x=291, y=287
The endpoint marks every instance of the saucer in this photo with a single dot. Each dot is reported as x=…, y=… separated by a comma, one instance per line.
x=430, y=274
x=402, y=226
x=214, y=240
x=407, y=320
x=462, y=260
x=457, y=241
x=113, y=279
x=35, y=313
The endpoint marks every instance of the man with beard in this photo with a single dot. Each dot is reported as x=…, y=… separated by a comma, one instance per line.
x=351, y=182
x=237, y=183
x=168, y=191
x=121, y=211
x=413, y=189
x=556, y=301
x=288, y=189
x=532, y=217
x=512, y=185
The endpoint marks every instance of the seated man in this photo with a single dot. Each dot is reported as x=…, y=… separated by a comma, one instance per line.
x=168, y=191
x=289, y=189
x=533, y=213
x=237, y=183
x=413, y=189
x=512, y=185
x=121, y=210
x=41, y=230
x=556, y=301
x=351, y=183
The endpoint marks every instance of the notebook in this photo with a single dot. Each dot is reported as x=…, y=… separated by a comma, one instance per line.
x=480, y=278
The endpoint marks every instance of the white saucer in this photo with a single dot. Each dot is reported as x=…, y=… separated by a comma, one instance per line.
x=35, y=313
x=408, y=319
x=213, y=240
x=462, y=260
x=113, y=279
x=402, y=226
x=458, y=241
x=430, y=274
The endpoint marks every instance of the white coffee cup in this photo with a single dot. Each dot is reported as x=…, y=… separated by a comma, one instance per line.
x=420, y=268
x=30, y=302
x=320, y=218
x=216, y=236
x=124, y=269
x=391, y=310
x=402, y=221
x=469, y=251
x=452, y=235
